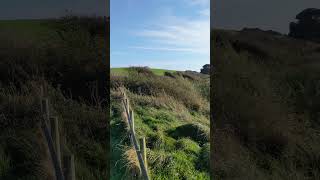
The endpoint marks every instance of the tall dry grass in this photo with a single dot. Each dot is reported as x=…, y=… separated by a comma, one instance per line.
x=260, y=125
x=71, y=61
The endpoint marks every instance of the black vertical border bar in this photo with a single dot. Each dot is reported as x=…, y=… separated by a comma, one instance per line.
x=107, y=84
x=211, y=90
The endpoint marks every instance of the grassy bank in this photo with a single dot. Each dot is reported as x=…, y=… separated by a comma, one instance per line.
x=265, y=106
x=173, y=114
x=68, y=57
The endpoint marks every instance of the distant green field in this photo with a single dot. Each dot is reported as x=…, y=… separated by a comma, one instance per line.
x=124, y=71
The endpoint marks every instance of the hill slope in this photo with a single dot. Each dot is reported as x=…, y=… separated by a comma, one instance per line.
x=173, y=114
x=266, y=106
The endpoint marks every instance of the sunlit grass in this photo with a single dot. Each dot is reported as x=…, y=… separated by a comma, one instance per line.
x=124, y=71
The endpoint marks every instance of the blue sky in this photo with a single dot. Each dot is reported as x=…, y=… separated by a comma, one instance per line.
x=170, y=34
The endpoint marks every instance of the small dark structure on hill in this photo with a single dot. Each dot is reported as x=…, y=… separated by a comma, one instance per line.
x=205, y=69
x=307, y=26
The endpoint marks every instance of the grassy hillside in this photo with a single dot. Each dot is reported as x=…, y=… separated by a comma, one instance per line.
x=265, y=106
x=172, y=112
x=67, y=56
x=125, y=71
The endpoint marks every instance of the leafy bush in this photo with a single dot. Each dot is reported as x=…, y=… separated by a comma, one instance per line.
x=140, y=70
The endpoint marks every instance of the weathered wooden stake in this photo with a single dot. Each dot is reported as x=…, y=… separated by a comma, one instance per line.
x=63, y=145
x=132, y=120
x=127, y=105
x=55, y=134
x=46, y=111
x=143, y=151
x=41, y=92
x=69, y=166
x=41, y=97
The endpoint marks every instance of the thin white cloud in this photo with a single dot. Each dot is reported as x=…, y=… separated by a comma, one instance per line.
x=173, y=64
x=199, y=2
x=179, y=34
x=118, y=52
x=163, y=49
x=205, y=12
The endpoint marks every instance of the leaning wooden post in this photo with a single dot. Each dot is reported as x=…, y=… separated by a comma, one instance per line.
x=127, y=104
x=55, y=134
x=143, y=151
x=46, y=109
x=69, y=166
x=132, y=120
x=63, y=142
x=41, y=97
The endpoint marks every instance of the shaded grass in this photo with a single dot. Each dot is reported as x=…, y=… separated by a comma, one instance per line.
x=119, y=139
x=196, y=132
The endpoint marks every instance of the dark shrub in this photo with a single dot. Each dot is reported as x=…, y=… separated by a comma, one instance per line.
x=205, y=69
x=204, y=158
x=141, y=70
x=169, y=74
x=196, y=132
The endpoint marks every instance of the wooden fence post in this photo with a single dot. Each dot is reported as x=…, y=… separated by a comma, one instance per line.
x=41, y=97
x=46, y=109
x=127, y=104
x=41, y=92
x=69, y=166
x=55, y=134
x=63, y=142
x=143, y=151
x=132, y=120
